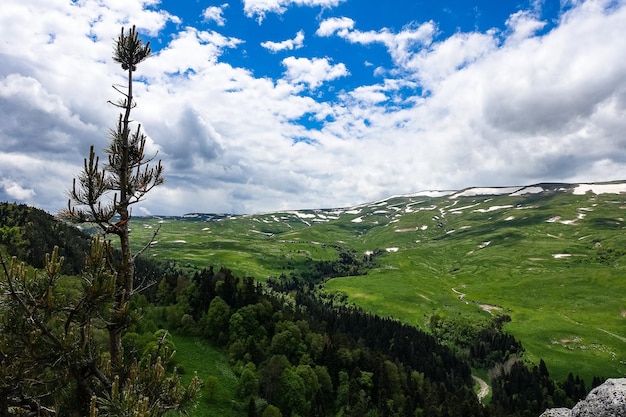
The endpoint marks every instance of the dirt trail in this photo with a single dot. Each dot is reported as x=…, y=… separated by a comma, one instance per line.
x=484, y=388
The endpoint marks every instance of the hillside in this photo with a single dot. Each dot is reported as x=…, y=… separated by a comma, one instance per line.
x=549, y=255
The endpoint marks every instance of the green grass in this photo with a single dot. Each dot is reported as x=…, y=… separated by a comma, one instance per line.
x=498, y=251
x=196, y=355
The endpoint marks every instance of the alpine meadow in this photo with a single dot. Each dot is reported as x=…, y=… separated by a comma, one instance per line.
x=547, y=256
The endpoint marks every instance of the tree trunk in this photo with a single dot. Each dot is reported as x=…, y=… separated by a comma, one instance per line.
x=127, y=270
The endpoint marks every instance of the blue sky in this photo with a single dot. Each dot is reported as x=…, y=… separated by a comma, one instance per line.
x=263, y=105
x=293, y=31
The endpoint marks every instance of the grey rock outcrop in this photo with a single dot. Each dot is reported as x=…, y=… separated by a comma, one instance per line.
x=607, y=400
x=557, y=412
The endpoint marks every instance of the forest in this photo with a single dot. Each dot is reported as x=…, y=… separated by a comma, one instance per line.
x=295, y=351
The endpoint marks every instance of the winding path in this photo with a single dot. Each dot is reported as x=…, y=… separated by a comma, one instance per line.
x=484, y=388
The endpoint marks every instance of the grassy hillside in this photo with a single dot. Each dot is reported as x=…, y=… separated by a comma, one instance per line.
x=209, y=363
x=551, y=259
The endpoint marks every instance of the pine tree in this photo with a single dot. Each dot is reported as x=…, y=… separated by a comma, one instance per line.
x=104, y=194
x=51, y=359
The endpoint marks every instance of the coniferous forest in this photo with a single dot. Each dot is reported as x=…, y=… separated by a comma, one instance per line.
x=295, y=351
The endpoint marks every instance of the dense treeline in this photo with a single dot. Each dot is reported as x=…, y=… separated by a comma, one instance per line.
x=525, y=392
x=268, y=333
x=348, y=263
x=29, y=233
x=484, y=344
x=306, y=357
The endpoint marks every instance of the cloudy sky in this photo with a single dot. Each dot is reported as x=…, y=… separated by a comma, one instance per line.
x=264, y=105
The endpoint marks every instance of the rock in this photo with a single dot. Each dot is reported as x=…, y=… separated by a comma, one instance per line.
x=606, y=400
x=557, y=412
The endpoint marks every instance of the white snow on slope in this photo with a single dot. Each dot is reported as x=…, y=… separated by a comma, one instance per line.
x=600, y=188
x=527, y=190
x=304, y=215
x=471, y=192
x=492, y=208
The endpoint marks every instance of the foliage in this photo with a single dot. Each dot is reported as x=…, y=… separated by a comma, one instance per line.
x=294, y=359
x=347, y=263
x=484, y=343
x=53, y=361
x=528, y=392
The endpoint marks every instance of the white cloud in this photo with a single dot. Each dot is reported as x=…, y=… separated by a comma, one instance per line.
x=333, y=25
x=16, y=191
x=502, y=107
x=312, y=72
x=523, y=25
x=260, y=8
x=215, y=14
x=190, y=50
x=442, y=59
x=369, y=94
x=289, y=44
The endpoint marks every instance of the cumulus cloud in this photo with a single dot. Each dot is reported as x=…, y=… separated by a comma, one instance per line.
x=189, y=140
x=259, y=8
x=523, y=25
x=16, y=191
x=335, y=25
x=215, y=14
x=500, y=107
x=289, y=44
x=312, y=72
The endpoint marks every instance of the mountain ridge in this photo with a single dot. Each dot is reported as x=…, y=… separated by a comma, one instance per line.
x=601, y=187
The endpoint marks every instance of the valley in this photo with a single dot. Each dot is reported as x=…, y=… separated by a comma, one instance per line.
x=551, y=256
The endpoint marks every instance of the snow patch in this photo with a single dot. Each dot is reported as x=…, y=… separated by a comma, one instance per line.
x=527, y=190
x=430, y=193
x=463, y=208
x=600, y=188
x=492, y=208
x=304, y=215
x=472, y=192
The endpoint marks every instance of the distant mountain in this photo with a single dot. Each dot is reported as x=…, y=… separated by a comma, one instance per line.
x=611, y=187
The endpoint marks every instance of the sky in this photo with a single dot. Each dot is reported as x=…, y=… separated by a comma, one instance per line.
x=266, y=105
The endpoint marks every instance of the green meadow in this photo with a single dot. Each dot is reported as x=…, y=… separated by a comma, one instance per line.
x=554, y=261
x=212, y=367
